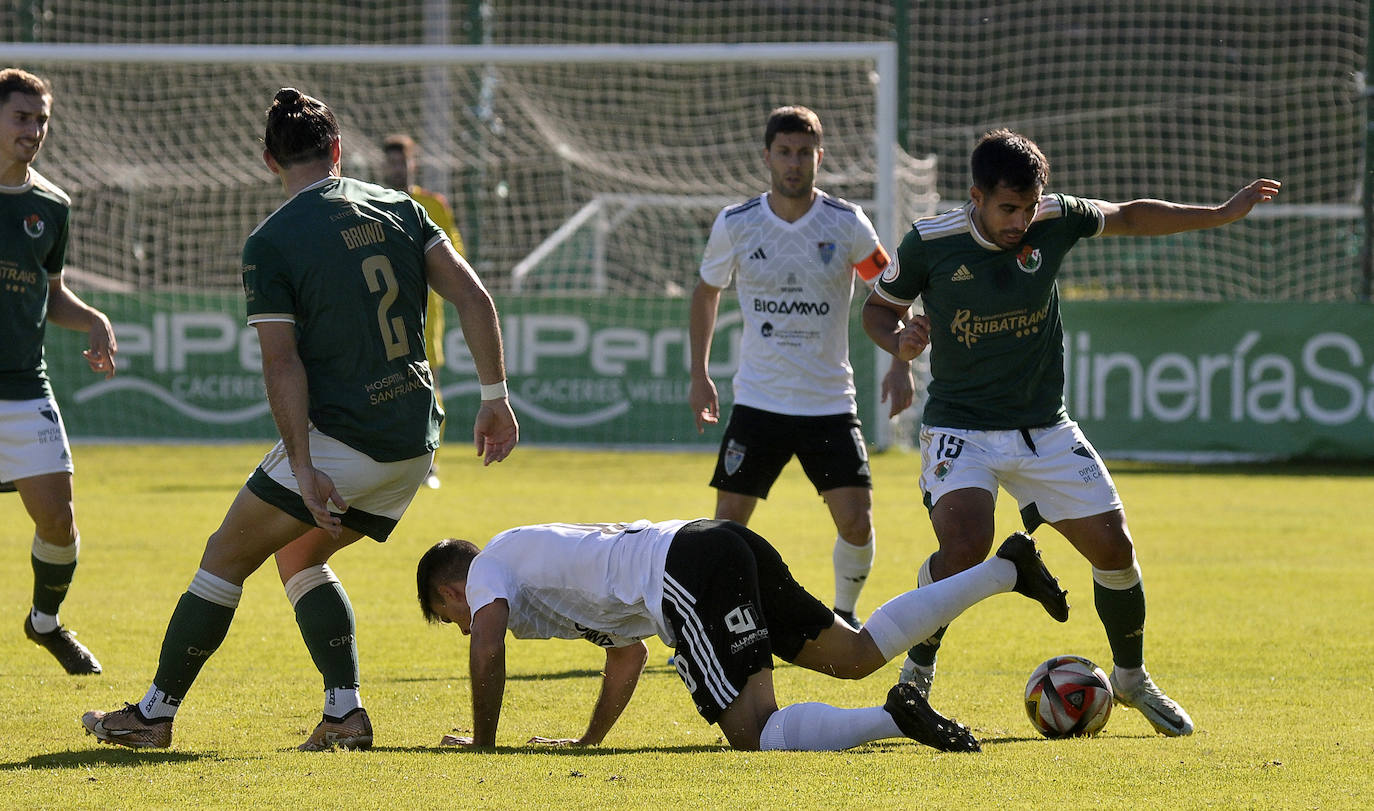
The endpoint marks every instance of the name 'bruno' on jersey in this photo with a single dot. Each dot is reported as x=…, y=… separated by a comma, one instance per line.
x=996, y=338
x=344, y=261
x=795, y=281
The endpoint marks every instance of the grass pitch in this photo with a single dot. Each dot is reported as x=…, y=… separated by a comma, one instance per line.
x=1259, y=624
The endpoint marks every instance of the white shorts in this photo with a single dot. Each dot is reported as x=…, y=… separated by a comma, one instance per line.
x=1054, y=473
x=377, y=493
x=33, y=440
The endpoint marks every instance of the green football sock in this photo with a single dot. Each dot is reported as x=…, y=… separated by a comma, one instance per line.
x=924, y=653
x=50, y=582
x=195, y=631
x=325, y=617
x=1123, y=616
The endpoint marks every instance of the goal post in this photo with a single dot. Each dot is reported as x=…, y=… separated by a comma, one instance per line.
x=159, y=145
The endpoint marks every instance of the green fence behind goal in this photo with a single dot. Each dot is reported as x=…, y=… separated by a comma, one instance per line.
x=626, y=164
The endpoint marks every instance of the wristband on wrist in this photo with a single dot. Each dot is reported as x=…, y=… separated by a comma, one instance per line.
x=494, y=391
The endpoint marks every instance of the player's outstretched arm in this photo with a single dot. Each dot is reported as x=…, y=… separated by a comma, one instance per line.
x=1144, y=218
x=618, y=682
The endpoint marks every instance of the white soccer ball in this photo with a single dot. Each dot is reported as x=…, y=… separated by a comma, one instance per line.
x=1068, y=696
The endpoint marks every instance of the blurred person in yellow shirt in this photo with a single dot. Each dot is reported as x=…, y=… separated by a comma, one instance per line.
x=398, y=168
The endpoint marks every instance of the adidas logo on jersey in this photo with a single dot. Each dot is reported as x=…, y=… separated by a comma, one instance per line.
x=963, y=274
x=758, y=254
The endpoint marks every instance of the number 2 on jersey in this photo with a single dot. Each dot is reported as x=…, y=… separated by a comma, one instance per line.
x=381, y=278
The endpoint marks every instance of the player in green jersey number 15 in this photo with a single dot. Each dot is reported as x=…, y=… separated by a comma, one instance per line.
x=995, y=413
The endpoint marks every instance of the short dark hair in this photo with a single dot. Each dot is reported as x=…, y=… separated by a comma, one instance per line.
x=14, y=80
x=299, y=128
x=399, y=142
x=792, y=118
x=1006, y=158
x=447, y=561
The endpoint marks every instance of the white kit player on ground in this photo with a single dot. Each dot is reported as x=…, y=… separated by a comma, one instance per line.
x=793, y=253
x=723, y=598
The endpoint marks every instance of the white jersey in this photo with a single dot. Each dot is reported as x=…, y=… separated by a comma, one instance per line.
x=795, y=281
x=600, y=582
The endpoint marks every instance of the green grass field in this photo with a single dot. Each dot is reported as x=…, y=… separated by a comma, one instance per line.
x=1260, y=604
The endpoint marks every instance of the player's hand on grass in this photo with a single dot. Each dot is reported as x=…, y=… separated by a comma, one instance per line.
x=495, y=432
x=318, y=491
x=542, y=741
x=704, y=402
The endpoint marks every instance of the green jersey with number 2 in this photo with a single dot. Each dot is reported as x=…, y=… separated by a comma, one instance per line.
x=344, y=261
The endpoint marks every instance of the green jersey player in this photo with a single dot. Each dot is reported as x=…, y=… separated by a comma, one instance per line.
x=34, y=455
x=995, y=415
x=336, y=281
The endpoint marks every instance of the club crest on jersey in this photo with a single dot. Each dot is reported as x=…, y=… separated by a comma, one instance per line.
x=734, y=457
x=826, y=250
x=1028, y=259
x=890, y=275
x=33, y=226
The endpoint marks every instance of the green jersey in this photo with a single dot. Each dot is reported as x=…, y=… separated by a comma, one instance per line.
x=996, y=339
x=33, y=247
x=344, y=261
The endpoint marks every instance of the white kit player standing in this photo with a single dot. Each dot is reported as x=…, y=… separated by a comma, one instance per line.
x=793, y=252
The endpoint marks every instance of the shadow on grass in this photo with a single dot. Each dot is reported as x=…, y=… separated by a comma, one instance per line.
x=104, y=756
x=557, y=751
x=583, y=673
x=1301, y=467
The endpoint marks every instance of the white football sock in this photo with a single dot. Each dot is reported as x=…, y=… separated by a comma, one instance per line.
x=158, y=706
x=340, y=701
x=912, y=617
x=852, y=565
x=214, y=589
x=814, y=727
x=54, y=554
x=43, y=623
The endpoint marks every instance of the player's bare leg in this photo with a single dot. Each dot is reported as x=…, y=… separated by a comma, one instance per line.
x=851, y=508
x=742, y=722
x=1119, y=596
x=735, y=507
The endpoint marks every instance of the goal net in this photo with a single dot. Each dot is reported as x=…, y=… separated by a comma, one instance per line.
x=586, y=179
x=584, y=188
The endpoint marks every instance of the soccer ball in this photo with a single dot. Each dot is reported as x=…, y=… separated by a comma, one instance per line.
x=1068, y=697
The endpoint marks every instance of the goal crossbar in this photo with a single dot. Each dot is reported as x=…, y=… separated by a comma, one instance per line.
x=883, y=55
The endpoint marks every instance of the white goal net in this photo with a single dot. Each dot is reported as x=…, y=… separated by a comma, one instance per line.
x=586, y=179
